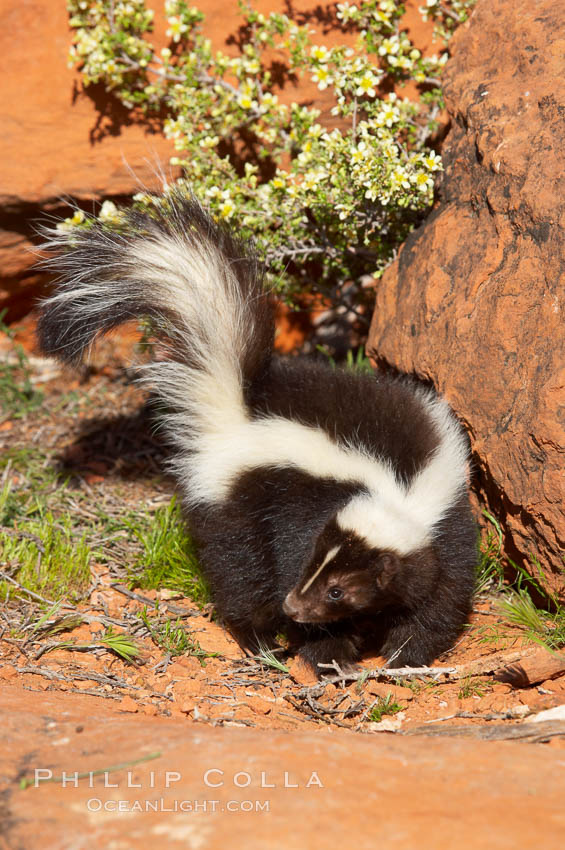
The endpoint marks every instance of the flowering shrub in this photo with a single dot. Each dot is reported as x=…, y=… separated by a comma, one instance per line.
x=328, y=201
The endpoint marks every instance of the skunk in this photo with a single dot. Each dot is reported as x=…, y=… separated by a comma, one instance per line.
x=327, y=504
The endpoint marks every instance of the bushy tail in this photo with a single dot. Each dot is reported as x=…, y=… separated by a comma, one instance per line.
x=202, y=290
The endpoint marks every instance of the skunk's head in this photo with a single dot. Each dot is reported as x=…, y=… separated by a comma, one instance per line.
x=345, y=576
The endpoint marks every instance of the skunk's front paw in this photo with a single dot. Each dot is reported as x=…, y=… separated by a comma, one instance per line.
x=338, y=651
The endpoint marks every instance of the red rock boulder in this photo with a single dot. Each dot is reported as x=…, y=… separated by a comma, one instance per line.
x=60, y=140
x=474, y=301
x=56, y=140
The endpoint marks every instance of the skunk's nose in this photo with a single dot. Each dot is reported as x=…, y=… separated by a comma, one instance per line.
x=289, y=609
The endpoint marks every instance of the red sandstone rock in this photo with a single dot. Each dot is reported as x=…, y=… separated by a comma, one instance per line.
x=59, y=140
x=474, y=300
x=316, y=790
x=56, y=141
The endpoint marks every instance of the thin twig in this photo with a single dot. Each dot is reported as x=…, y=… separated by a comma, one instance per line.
x=87, y=675
x=304, y=709
x=23, y=589
x=178, y=610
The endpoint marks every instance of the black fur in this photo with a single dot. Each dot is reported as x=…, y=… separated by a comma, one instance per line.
x=260, y=545
x=375, y=411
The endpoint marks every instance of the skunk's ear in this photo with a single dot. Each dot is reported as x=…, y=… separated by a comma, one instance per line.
x=387, y=565
x=325, y=538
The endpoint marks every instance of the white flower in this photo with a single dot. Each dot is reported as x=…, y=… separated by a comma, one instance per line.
x=423, y=181
x=312, y=178
x=322, y=53
x=402, y=62
x=109, y=212
x=209, y=142
x=366, y=85
x=304, y=157
x=176, y=29
x=433, y=161
x=269, y=99
x=360, y=153
x=246, y=101
x=70, y=223
x=322, y=77
x=345, y=11
x=400, y=179
x=383, y=17
x=227, y=209
x=251, y=66
x=389, y=46
x=387, y=116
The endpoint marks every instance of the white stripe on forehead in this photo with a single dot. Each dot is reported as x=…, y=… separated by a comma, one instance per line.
x=329, y=557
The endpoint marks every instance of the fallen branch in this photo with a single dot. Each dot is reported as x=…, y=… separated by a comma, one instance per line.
x=88, y=675
x=177, y=610
x=537, y=667
x=481, y=667
x=531, y=733
x=5, y=577
x=512, y=714
x=312, y=712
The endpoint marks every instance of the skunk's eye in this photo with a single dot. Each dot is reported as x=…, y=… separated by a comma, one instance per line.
x=335, y=593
